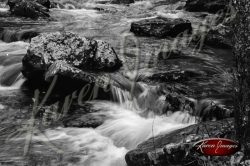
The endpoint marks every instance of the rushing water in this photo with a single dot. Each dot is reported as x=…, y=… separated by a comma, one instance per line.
x=129, y=120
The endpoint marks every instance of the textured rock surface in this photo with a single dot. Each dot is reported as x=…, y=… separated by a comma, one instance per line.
x=160, y=27
x=77, y=61
x=176, y=148
x=28, y=8
x=78, y=52
x=212, y=6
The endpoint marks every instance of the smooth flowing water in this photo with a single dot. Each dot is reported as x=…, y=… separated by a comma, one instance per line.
x=129, y=120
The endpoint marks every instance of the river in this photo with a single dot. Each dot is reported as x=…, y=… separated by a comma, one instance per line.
x=126, y=123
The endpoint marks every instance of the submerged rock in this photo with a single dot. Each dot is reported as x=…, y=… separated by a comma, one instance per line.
x=219, y=37
x=160, y=27
x=28, y=8
x=211, y=6
x=83, y=117
x=176, y=148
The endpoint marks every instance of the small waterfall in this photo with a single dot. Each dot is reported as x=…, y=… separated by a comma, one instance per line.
x=10, y=65
x=11, y=77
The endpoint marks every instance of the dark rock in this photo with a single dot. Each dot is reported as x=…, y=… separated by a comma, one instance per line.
x=176, y=148
x=172, y=54
x=27, y=8
x=76, y=60
x=45, y=3
x=219, y=37
x=86, y=120
x=211, y=6
x=78, y=52
x=174, y=76
x=84, y=116
x=122, y=1
x=114, y=1
x=160, y=27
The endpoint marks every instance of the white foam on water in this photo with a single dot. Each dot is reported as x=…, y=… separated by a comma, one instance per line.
x=91, y=147
x=173, y=15
x=123, y=130
x=4, y=9
x=128, y=128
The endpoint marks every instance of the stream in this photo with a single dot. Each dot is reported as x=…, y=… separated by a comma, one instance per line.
x=128, y=121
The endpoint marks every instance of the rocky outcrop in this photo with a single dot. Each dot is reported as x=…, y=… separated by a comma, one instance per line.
x=160, y=27
x=211, y=6
x=75, y=59
x=28, y=8
x=176, y=148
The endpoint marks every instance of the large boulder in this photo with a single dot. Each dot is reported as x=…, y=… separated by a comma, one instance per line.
x=160, y=27
x=28, y=8
x=176, y=148
x=67, y=47
x=75, y=59
x=211, y=6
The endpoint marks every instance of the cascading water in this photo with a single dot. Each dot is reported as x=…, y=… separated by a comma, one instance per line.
x=10, y=65
x=126, y=126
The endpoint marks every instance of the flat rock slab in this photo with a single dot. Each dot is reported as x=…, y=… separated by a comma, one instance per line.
x=175, y=148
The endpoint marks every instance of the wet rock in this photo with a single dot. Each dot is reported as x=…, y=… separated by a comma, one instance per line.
x=172, y=54
x=45, y=3
x=27, y=8
x=160, y=27
x=122, y=1
x=219, y=37
x=114, y=1
x=68, y=48
x=176, y=148
x=76, y=60
x=83, y=117
x=87, y=120
x=173, y=76
x=211, y=6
